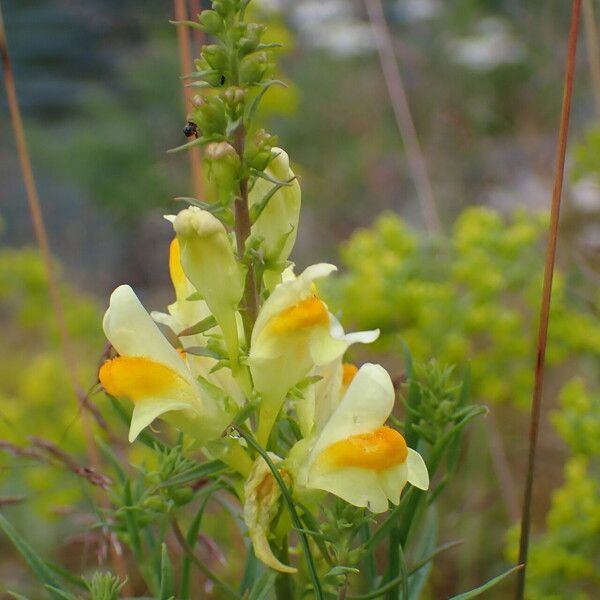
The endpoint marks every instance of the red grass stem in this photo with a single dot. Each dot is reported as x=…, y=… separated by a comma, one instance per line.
x=547, y=294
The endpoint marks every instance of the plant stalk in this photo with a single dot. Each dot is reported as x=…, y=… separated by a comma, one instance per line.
x=185, y=61
x=402, y=113
x=242, y=233
x=547, y=295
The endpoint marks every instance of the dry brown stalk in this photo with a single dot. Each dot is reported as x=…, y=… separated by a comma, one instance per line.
x=547, y=294
x=185, y=60
x=399, y=101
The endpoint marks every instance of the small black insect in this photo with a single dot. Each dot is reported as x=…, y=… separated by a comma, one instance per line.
x=222, y=79
x=191, y=129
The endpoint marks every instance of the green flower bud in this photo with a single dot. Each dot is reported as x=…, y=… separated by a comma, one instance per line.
x=260, y=160
x=209, y=115
x=224, y=164
x=211, y=22
x=182, y=495
x=278, y=221
x=249, y=42
x=216, y=57
x=211, y=76
x=253, y=68
x=155, y=503
x=209, y=263
x=224, y=7
x=233, y=96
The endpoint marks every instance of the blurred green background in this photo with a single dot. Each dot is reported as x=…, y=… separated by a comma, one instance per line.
x=98, y=83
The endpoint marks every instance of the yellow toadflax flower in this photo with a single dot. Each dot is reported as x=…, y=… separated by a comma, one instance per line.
x=155, y=376
x=356, y=456
x=294, y=332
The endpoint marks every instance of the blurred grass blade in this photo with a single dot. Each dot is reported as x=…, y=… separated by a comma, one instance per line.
x=263, y=586
x=37, y=565
x=413, y=399
x=191, y=537
x=166, y=574
x=416, y=582
x=486, y=586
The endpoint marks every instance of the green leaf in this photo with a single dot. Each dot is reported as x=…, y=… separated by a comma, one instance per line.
x=201, y=141
x=61, y=593
x=191, y=24
x=206, y=470
x=253, y=106
x=251, y=570
x=413, y=399
x=17, y=596
x=37, y=565
x=486, y=586
x=212, y=207
x=202, y=351
x=263, y=586
x=267, y=177
x=257, y=209
x=200, y=327
x=416, y=582
x=166, y=574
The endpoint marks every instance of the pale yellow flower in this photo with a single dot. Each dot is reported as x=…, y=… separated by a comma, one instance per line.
x=355, y=455
x=155, y=376
x=294, y=333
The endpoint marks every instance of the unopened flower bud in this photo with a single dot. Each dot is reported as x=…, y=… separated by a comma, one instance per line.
x=209, y=115
x=224, y=167
x=209, y=263
x=215, y=56
x=278, y=221
x=250, y=40
x=211, y=22
x=182, y=495
x=253, y=68
x=223, y=7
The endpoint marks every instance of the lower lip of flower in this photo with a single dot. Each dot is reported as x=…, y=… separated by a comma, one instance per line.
x=377, y=451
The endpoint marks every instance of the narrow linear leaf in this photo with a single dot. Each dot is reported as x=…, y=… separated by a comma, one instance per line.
x=191, y=24
x=166, y=574
x=251, y=111
x=200, y=327
x=263, y=586
x=486, y=586
x=36, y=564
x=201, y=141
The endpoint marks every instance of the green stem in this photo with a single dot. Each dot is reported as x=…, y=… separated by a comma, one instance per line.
x=242, y=233
x=283, y=583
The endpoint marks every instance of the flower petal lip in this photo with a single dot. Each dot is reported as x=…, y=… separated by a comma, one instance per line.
x=132, y=332
x=364, y=408
x=288, y=294
x=417, y=470
x=377, y=450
